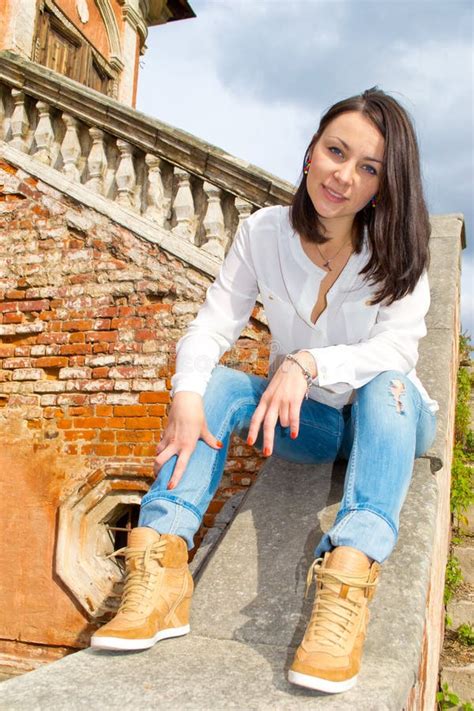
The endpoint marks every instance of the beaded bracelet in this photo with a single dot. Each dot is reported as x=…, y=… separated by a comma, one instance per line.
x=309, y=378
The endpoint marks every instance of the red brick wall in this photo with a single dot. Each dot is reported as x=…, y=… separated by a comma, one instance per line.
x=89, y=319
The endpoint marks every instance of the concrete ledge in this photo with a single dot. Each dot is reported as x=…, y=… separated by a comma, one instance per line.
x=249, y=614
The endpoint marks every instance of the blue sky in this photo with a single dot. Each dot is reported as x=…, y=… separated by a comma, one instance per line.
x=254, y=77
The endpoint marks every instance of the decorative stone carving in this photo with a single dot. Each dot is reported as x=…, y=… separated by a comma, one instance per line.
x=84, y=538
x=82, y=11
x=96, y=161
x=183, y=206
x=214, y=221
x=3, y=99
x=125, y=176
x=128, y=159
x=19, y=121
x=244, y=209
x=71, y=148
x=44, y=135
x=157, y=205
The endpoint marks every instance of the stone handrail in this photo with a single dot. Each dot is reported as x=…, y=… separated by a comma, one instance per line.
x=176, y=181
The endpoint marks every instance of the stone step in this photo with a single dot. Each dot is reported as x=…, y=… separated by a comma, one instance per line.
x=460, y=612
x=460, y=680
x=465, y=555
x=470, y=519
x=249, y=614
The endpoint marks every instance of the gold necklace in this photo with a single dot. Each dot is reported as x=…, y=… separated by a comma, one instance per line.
x=326, y=262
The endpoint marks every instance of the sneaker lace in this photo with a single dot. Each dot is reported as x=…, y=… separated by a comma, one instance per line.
x=333, y=617
x=138, y=587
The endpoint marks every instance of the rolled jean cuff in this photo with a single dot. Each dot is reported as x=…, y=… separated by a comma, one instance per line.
x=364, y=529
x=167, y=513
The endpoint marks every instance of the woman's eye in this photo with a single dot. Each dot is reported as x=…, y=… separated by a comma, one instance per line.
x=335, y=148
x=371, y=169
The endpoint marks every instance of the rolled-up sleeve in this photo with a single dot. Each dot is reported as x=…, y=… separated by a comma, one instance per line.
x=392, y=344
x=220, y=320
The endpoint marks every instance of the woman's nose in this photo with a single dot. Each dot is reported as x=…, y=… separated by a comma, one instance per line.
x=344, y=173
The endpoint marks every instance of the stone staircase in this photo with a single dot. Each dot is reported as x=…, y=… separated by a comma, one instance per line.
x=249, y=611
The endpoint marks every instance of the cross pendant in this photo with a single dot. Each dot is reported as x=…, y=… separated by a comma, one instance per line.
x=326, y=266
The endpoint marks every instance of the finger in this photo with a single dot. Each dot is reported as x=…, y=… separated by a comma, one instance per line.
x=284, y=415
x=180, y=468
x=294, y=415
x=162, y=444
x=269, y=425
x=212, y=441
x=255, y=422
x=165, y=454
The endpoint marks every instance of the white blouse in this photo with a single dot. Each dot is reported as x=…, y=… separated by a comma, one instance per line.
x=351, y=342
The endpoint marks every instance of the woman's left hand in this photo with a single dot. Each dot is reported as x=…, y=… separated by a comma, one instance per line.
x=282, y=399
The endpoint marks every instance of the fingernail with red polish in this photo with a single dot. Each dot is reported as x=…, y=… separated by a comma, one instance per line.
x=170, y=485
x=249, y=440
x=266, y=452
x=219, y=443
x=293, y=435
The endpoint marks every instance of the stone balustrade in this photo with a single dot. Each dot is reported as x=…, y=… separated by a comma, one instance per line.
x=179, y=183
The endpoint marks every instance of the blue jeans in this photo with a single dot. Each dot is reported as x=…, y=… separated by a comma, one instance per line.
x=380, y=434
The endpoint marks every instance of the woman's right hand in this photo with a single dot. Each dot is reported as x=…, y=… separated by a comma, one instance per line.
x=186, y=425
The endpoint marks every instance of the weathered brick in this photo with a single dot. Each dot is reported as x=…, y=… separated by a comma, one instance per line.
x=151, y=423
x=156, y=410
x=79, y=434
x=74, y=373
x=124, y=450
x=130, y=411
x=107, y=436
x=87, y=423
x=64, y=424
x=51, y=362
x=104, y=450
x=122, y=398
x=13, y=318
x=104, y=410
x=134, y=436
x=27, y=374
x=99, y=361
x=49, y=386
x=101, y=336
x=84, y=325
x=81, y=411
x=75, y=349
x=6, y=350
x=147, y=385
x=147, y=397
x=16, y=363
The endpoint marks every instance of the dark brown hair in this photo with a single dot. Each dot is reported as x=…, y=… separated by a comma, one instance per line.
x=398, y=228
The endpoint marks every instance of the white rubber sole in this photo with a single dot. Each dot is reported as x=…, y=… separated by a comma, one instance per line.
x=318, y=684
x=120, y=644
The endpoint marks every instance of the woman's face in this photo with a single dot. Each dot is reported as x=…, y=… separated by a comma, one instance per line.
x=346, y=165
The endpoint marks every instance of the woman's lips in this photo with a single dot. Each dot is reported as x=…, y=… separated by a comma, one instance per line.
x=331, y=196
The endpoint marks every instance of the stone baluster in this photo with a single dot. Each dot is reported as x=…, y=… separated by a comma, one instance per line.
x=19, y=121
x=71, y=148
x=157, y=205
x=183, y=207
x=244, y=209
x=125, y=177
x=214, y=221
x=44, y=134
x=96, y=161
x=3, y=112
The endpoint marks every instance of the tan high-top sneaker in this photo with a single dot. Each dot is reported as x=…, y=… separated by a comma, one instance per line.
x=156, y=595
x=328, y=658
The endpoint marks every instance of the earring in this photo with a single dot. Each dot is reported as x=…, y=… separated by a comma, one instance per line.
x=306, y=166
x=374, y=201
